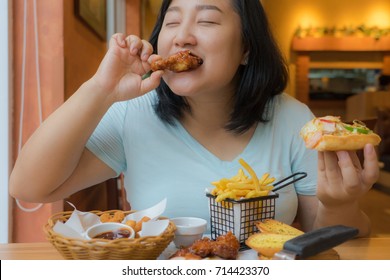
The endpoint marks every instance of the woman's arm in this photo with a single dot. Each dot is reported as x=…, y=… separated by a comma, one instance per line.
x=54, y=162
x=53, y=152
x=342, y=181
x=348, y=215
x=312, y=214
x=89, y=171
x=307, y=211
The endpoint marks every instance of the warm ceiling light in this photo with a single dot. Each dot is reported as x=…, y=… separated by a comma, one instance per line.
x=308, y=17
x=379, y=17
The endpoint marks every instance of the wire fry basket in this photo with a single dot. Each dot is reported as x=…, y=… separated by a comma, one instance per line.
x=240, y=216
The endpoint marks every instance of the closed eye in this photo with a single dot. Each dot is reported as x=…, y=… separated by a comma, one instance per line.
x=171, y=23
x=207, y=22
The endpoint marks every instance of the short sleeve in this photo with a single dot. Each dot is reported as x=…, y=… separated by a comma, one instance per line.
x=293, y=115
x=106, y=142
x=303, y=159
x=307, y=163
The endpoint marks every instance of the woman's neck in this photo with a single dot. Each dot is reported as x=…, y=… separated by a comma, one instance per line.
x=206, y=123
x=207, y=113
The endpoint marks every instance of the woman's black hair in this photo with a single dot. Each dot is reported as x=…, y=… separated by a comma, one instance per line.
x=264, y=77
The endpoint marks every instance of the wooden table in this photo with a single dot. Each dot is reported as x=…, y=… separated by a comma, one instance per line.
x=375, y=248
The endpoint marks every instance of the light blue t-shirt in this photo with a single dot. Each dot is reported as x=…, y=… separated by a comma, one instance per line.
x=162, y=161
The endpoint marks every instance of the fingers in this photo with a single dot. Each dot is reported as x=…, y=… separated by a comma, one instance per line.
x=152, y=81
x=347, y=159
x=345, y=167
x=117, y=39
x=139, y=47
x=349, y=167
x=124, y=66
x=338, y=168
x=321, y=167
x=154, y=57
x=371, y=167
x=135, y=45
x=332, y=170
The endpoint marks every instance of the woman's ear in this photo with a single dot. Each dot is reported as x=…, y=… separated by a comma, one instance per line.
x=245, y=58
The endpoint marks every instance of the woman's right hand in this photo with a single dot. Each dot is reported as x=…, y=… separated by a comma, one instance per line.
x=57, y=147
x=126, y=61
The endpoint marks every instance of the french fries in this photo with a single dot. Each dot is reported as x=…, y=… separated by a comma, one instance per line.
x=242, y=186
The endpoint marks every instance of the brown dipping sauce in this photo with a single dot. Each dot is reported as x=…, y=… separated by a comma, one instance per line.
x=114, y=234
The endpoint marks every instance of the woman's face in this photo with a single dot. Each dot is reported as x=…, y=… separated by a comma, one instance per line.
x=211, y=29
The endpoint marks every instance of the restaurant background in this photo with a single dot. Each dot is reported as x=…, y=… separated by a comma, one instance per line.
x=70, y=52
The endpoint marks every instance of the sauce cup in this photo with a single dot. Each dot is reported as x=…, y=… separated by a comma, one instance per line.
x=110, y=231
x=188, y=230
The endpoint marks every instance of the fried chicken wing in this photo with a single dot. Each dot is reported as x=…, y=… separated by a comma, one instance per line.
x=225, y=246
x=185, y=254
x=203, y=247
x=179, y=62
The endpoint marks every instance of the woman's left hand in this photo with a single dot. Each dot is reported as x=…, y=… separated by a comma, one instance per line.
x=341, y=178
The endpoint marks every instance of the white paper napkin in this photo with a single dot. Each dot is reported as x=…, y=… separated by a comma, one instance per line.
x=79, y=222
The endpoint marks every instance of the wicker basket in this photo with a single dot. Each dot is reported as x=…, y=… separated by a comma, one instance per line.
x=143, y=248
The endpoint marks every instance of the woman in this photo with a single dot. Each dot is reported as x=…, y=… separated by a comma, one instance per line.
x=174, y=141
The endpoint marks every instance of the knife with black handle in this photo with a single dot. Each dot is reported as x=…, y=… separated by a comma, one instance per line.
x=316, y=241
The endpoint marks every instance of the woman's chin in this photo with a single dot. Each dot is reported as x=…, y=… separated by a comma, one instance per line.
x=183, y=89
x=184, y=93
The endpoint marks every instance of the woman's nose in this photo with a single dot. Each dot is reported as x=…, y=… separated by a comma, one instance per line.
x=185, y=36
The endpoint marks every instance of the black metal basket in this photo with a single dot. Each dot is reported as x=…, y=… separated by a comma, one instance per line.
x=240, y=216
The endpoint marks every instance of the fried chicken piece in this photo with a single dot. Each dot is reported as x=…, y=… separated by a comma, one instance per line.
x=186, y=254
x=226, y=246
x=179, y=62
x=138, y=225
x=118, y=217
x=203, y=247
x=105, y=217
x=131, y=223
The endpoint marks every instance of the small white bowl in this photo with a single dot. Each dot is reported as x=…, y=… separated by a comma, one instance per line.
x=98, y=229
x=188, y=230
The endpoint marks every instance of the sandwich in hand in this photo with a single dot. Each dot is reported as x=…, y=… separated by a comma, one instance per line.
x=329, y=133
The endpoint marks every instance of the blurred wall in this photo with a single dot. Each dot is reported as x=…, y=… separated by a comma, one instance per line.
x=286, y=15
x=83, y=50
x=27, y=226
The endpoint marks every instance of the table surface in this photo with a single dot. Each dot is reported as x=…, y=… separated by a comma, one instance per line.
x=375, y=248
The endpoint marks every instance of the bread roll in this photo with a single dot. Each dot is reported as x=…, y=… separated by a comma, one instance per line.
x=329, y=133
x=267, y=244
x=274, y=226
x=347, y=142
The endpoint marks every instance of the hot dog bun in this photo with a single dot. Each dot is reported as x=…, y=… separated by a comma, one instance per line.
x=346, y=143
x=330, y=134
